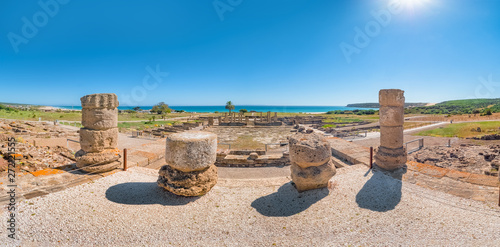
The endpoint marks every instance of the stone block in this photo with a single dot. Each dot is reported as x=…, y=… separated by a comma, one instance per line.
x=391, y=97
x=313, y=177
x=191, y=150
x=98, y=140
x=100, y=100
x=309, y=150
x=100, y=118
x=391, y=116
x=391, y=137
x=102, y=168
x=106, y=156
x=390, y=159
x=194, y=183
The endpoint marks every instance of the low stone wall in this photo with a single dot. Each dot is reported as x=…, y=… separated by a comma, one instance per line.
x=268, y=124
x=228, y=159
x=247, y=152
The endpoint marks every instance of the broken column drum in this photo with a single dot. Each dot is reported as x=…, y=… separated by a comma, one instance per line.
x=190, y=158
x=391, y=154
x=99, y=135
x=311, y=164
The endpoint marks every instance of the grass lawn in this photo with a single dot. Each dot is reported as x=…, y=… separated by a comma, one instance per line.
x=33, y=115
x=142, y=125
x=46, y=116
x=464, y=130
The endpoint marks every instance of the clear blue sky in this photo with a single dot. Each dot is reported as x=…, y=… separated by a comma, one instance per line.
x=259, y=52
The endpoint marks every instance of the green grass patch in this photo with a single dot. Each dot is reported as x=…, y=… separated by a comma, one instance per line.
x=342, y=120
x=464, y=130
x=142, y=125
x=329, y=126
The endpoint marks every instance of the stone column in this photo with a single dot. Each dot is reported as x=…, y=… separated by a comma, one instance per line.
x=99, y=135
x=210, y=121
x=190, y=169
x=261, y=119
x=275, y=117
x=311, y=164
x=391, y=154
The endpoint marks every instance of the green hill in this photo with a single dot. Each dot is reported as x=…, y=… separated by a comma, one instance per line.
x=376, y=105
x=466, y=106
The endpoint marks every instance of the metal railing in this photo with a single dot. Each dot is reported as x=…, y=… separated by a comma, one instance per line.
x=420, y=145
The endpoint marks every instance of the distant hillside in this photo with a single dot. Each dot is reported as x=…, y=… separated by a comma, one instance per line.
x=3, y=103
x=376, y=105
x=466, y=106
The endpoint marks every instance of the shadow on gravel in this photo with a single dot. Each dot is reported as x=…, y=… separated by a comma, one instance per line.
x=381, y=192
x=139, y=193
x=287, y=201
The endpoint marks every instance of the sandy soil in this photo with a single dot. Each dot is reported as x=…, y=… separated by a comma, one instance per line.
x=360, y=208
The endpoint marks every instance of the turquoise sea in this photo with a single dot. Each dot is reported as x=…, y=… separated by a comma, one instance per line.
x=258, y=108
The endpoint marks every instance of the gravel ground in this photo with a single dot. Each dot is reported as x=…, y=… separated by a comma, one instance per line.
x=361, y=208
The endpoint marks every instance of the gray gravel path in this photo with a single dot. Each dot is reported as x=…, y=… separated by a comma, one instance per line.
x=127, y=208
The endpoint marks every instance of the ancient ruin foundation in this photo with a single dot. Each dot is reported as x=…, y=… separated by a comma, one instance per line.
x=391, y=155
x=190, y=169
x=311, y=164
x=99, y=135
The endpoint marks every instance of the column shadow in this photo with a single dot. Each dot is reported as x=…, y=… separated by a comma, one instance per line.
x=287, y=201
x=382, y=192
x=142, y=193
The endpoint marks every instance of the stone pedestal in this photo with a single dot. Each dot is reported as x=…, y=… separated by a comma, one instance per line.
x=99, y=135
x=311, y=164
x=391, y=155
x=190, y=169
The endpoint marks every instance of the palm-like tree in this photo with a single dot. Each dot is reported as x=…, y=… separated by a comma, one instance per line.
x=229, y=106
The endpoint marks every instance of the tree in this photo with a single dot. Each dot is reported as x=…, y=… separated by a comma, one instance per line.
x=487, y=112
x=229, y=106
x=243, y=110
x=137, y=108
x=161, y=108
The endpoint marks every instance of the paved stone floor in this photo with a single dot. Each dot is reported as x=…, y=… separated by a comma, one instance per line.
x=150, y=152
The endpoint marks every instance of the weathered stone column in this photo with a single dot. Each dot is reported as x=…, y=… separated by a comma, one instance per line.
x=99, y=135
x=190, y=169
x=391, y=154
x=210, y=121
x=311, y=164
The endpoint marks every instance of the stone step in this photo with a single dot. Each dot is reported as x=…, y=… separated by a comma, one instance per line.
x=339, y=163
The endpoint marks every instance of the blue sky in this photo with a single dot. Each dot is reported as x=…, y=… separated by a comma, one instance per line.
x=194, y=52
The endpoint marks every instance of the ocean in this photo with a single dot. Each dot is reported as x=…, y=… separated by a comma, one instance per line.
x=258, y=108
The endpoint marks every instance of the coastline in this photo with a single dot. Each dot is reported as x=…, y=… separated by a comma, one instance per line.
x=249, y=108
